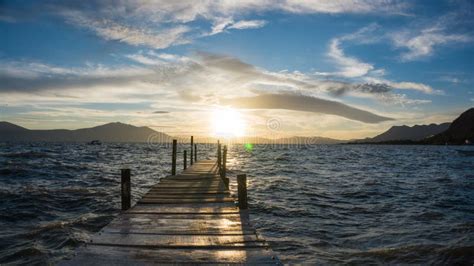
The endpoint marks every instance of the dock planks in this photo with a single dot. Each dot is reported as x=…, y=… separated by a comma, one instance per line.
x=190, y=218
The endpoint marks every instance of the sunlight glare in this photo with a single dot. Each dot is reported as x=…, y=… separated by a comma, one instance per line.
x=227, y=122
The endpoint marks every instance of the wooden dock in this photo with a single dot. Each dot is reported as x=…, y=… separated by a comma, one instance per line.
x=188, y=218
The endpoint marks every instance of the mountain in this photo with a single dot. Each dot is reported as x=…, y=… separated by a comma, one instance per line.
x=460, y=130
x=308, y=140
x=9, y=127
x=260, y=140
x=414, y=133
x=112, y=132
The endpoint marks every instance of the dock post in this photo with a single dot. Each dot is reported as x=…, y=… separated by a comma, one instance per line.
x=195, y=152
x=126, y=189
x=224, y=167
x=219, y=156
x=224, y=161
x=192, y=144
x=185, y=159
x=173, y=158
x=242, y=190
x=226, y=182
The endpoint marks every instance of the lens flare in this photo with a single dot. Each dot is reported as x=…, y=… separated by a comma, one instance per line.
x=248, y=147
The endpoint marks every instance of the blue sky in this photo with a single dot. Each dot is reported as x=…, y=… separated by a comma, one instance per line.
x=342, y=69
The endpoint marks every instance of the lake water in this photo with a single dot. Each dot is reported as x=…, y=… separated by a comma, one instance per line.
x=315, y=204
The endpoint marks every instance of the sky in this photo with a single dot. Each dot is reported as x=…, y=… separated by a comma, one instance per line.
x=338, y=68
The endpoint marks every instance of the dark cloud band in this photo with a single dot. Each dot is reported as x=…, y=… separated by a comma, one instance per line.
x=306, y=104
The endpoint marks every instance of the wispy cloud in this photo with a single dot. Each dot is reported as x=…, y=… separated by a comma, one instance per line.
x=222, y=24
x=132, y=35
x=248, y=24
x=422, y=43
x=344, y=6
x=452, y=79
x=421, y=38
x=375, y=85
x=350, y=67
x=160, y=24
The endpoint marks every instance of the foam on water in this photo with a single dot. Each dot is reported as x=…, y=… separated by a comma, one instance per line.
x=315, y=204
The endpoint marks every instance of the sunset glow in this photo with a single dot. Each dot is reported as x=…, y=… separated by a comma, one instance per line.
x=227, y=122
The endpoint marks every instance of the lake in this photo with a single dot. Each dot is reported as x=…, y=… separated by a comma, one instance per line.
x=315, y=204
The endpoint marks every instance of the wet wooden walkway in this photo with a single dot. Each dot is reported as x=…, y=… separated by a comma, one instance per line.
x=189, y=218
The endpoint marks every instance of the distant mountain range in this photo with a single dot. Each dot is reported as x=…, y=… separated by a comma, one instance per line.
x=457, y=132
x=414, y=133
x=112, y=132
x=119, y=132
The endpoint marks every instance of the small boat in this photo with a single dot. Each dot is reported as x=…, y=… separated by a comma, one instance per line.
x=95, y=142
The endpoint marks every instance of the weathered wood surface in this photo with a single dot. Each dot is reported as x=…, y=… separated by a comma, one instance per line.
x=190, y=218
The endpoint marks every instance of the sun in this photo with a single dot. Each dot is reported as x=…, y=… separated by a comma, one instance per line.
x=227, y=123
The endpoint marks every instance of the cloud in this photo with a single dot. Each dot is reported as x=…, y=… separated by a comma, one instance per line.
x=405, y=85
x=452, y=79
x=422, y=44
x=222, y=24
x=188, y=96
x=133, y=35
x=248, y=75
x=31, y=77
x=415, y=86
x=306, y=104
x=423, y=37
x=350, y=67
x=344, y=6
x=198, y=79
x=161, y=23
x=219, y=25
x=248, y=24
x=145, y=60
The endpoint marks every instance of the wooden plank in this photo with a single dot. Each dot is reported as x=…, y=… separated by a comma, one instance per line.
x=191, y=180
x=191, y=185
x=160, y=209
x=104, y=255
x=213, y=188
x=186, y=191
x=148, y=230
x=197, y=193
x=197, y=216
x=219, y=186
x=197, y=222
x=167, y=188
x=180, y=230
x=192, y=177
x=178, y=201
x=182, y=241
x=209, y=204
x=187, y=196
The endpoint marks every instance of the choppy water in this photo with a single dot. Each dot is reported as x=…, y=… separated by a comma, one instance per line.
x=338, y=204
